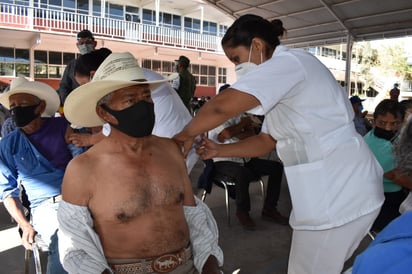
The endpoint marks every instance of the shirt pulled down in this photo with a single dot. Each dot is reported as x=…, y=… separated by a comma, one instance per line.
x=81, y=251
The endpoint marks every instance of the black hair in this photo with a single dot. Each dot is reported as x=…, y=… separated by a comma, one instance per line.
x=403, y=150
x=249, y=26
x=405, y=104
x=90, y=61
x=389, y=106
x=85, y=34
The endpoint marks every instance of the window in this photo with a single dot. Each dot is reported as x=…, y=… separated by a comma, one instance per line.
x=192, y=25
x=55, y=72
x=328, y=52
x=69, y=4
x=83, y=6
x=22, y=2
x=40, y=64
x=14, y=62
x=222, y=30
x=50, y=64
x=97, y=7
x=22, y=62
x=114, y=11
x=55, y=58
x=311, y=50
x=167, y=19
x=222, y=76
x=209, y=28
x=204, y=75
x=132, y=14
x=156, y=65
x=177, y=21
x=149, y=17
x=167, y=66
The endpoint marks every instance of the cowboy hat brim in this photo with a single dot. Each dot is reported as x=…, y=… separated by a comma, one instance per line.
x=80, y=106
x=38, y=89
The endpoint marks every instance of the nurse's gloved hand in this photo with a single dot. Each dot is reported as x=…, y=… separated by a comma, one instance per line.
x=207, y=149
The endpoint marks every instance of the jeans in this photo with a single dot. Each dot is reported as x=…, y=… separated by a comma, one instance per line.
x=44, y=221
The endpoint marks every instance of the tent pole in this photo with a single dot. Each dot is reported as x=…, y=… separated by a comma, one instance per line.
x=349, y=45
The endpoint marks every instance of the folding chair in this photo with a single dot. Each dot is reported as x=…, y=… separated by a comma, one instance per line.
x=38, y=247
x=209, y=177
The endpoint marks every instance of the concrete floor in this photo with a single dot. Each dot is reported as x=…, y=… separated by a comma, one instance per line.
x=263, y=251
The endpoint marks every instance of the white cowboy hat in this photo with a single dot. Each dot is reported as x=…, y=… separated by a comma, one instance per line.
x=118, y=70
x=38, y=89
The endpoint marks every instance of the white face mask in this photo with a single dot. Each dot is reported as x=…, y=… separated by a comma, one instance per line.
x=245, y=67
x=85, y=48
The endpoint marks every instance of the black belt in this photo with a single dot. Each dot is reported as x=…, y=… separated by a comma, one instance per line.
x=54, y=199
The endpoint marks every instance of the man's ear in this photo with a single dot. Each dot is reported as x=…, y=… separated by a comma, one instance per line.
x=106, y=116
x=41, y=107
x=92, y=72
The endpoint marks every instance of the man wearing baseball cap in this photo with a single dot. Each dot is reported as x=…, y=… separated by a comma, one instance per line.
x=185, y=85
x=35, y=155
x=361, y=124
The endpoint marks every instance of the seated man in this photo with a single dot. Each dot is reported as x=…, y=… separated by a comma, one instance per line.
x=35, y=155
x=244, y=171
x=136, y=210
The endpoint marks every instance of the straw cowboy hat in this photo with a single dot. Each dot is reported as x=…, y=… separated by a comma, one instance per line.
x=118, y=70
x=38, y=89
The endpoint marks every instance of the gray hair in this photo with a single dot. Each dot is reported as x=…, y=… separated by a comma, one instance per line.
x=105, y=99
x=403, y=150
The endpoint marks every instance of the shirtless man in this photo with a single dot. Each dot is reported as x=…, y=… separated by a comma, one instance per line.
x=132, y=187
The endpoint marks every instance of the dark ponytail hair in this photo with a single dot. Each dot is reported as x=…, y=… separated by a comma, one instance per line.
x=249, y=26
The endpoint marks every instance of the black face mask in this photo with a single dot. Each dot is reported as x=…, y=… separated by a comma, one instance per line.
x=384, y=134
x=136, y=121
x=22, y=116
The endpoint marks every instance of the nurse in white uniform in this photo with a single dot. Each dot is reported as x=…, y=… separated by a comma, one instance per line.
x=333, y=178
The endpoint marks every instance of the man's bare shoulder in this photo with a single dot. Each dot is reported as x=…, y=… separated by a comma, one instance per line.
x=166, y=143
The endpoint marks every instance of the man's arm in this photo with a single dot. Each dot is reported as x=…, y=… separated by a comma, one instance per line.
x=204, y=236
x=398, y=179
x=219, y=109
x=16, y=211
x=241, y=130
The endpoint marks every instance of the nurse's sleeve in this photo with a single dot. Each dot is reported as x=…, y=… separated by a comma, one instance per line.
x=271, y=81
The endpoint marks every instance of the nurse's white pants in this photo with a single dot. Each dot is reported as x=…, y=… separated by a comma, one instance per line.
x=325, y=251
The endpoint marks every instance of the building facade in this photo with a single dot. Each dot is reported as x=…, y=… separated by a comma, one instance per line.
x=38, y=37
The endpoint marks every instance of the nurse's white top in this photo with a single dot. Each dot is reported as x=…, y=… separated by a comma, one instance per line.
x=332, y=175
x=171, y=115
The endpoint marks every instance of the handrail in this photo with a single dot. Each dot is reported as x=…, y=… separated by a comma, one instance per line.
x=57, y=21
